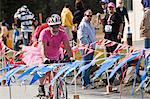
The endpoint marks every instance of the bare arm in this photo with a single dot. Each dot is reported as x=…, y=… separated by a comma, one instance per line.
x=121, y=28
x=43, y=50
x=68, y=48
x=120, y=31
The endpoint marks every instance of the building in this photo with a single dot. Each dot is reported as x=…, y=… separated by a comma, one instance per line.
x=135, y=11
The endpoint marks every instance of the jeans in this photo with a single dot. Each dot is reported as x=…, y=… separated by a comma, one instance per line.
x=147, y=42
x=16, y=45
x=26, y=38
x=86, y=73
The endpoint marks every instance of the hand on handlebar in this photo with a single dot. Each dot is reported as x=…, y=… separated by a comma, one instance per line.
x=68, y=59
x=46, y=61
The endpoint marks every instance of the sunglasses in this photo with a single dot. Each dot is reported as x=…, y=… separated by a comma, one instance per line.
x=89, y=15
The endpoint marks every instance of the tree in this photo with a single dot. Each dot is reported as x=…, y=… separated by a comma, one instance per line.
x=46, y=7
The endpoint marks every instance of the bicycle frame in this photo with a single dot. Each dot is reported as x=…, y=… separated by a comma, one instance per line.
x=59, y=89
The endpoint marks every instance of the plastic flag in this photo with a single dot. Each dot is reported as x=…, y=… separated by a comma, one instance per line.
x=106, y=65
x=135, y=54
x=75, y=65
x=36, y=77
x=27, y=71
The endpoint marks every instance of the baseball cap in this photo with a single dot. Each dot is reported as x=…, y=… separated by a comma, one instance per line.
x=111, y=4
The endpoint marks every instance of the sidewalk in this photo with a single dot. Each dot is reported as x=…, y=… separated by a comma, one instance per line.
x=30, y=91
x=137, y=44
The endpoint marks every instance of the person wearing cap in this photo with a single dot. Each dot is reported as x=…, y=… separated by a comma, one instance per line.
x=145, y=24
x=112, y=27
x=87, y=37
x=123, y=13
x=51, y=38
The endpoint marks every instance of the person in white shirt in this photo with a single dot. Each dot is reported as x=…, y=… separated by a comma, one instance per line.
x=26, y=17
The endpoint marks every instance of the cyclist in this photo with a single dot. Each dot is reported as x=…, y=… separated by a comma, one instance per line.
x=51, y=38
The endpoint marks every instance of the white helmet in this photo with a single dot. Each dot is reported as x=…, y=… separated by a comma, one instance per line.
x=54, y=20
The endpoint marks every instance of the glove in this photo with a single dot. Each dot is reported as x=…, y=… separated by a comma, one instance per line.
x=68, y=59
x=46, y=61
x=72, y=59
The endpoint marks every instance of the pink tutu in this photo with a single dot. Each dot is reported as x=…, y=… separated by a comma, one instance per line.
x=32, y=55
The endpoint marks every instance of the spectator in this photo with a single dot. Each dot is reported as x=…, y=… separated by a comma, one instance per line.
x=123, y=13
x=51, y=39
x=67, y=20
x=87, y=35
x=145, y=24
x=4, y=33
x=17, y=38
x=103, y=5
x=112, y=27
x=7, y=22
x=26, y=17
x=78, y=15
x=36, y=23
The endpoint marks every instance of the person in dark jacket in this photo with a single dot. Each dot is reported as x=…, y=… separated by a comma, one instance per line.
x=123, y=13
x=78, y=15
x=112, y=27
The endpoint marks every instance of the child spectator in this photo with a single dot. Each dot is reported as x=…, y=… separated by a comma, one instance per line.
x=4, y=33
x=16, y=38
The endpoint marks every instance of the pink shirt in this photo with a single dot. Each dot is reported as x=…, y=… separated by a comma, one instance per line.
x=53, y=42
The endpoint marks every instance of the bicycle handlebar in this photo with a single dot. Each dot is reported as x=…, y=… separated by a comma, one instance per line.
x=57, y=61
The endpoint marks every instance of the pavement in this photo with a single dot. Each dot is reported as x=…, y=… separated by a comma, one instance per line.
x=18, y=91
x=136, y=44
x=30, y=92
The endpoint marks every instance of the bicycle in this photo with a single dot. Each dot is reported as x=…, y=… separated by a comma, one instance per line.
x=59, y=89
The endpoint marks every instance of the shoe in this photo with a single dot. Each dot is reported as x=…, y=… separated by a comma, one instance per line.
x=84, y=87
x=90, y=86
x=115, y=89
x=41, y=90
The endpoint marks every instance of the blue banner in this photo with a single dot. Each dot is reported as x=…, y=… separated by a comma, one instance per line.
x=134, y=55
x=108, y=63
